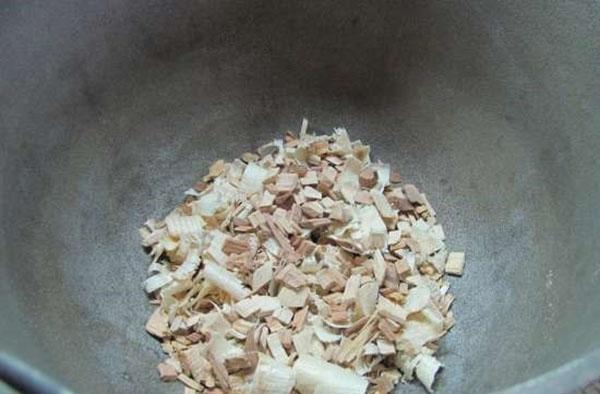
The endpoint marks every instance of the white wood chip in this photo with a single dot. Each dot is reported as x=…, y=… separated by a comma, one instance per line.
x=262, y=275
x=310, y=178
x=277, y=350
x=427, y=368
x=284, y=315
x=367, y=298
x=262, y=304
x=390, y=310
x=351, y=289
x=303, y=340
x=385, y=347
x=253, y=178
x=312, y=193
x=292, y=298
x=456, y=263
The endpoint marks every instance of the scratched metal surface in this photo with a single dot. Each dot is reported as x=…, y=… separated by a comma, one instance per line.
x=110, y=110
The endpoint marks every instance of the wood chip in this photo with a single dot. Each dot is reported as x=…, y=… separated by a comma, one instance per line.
x=302, y=341
x=284, y=315
x=237, y=246
x=189, y=382
x=387, y=329
x=262, y=275
x=158, y=324
x=367, y=298
x=291, y=276
x=245, y=363
x=276, y=348
x=368, y=178
x=292, y=298
x=310, y=179
x=390, y=310
x=306, y=248
x=456, y=263
x=311, y=193
x=386, y=347
x=331, y=279
x=313, y=209
x=403, y=269
x=220, y=371
x=286, y=182
x=257, y=303
x=413, y=194
x=315, y=223
x=351, y=289
x=300, y=319
x=363, y=197
x=283, y=241
x=335, y=160
x=389, y=216
x=167, y=372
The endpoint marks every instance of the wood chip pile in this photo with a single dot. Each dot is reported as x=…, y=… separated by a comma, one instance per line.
x=303, y=267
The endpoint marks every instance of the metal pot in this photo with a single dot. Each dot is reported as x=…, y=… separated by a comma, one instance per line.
x=110, y=110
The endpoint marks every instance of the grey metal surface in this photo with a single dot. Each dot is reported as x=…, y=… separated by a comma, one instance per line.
x=109, y=110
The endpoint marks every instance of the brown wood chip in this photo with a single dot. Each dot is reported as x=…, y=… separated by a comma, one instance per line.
x=368, y=178
x=245, y=363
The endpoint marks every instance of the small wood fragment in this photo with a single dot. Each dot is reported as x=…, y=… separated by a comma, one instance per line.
x=351, y=289
x=167, y=372
x=291, y=276
x=220, y=371
x=262, y=275
x=315, y=223
x=313, y=209
x=292, y=298
x=311, y=193
x=276, y=348
x=389, y=216
x=413, y=194
x=189, y=382
x=363, y=197
x=386, y=347
x=368, y=178
x=158, y=324
x=299, y=319
x=309, y=179
x=237, y=246
x=245, y=363
x=456, y=263
x=390, y=310
x=286, y=182
x=284, y=315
